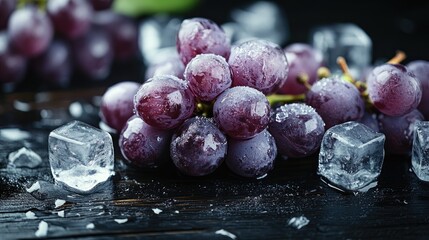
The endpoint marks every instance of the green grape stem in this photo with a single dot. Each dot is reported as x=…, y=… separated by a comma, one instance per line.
x=274, y=99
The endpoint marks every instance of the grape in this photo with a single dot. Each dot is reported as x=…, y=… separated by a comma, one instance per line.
x=12, y=65
x=101, y=4
x=421, y=71
x=336, y=101
x=122, y=32
x=142, y=145
x=241, y=112
x=171, y=66
x=259, y=64
x=30, y=31
x=303, y=59
x=252, y=157
x=71, y=18
x=117, y=104
x=399, y=131
x=370, y=120
x=6, y=9
x=393, y=90
x=54, y=65
x=200, y=35
x=208, y=75
x=164, y=102
x=198, y=147
x=93, y=55
x=297, y=129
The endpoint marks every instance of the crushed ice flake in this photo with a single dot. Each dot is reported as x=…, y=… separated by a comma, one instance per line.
x=61, y=213
x=225, y=233
x=298, y=222
x=156, y=210
x=177, y=211
x=24, y=157
x=59, y=203
x=101, y=213
x=13, y=134
x=90, y=226
x=34, y=187
x=30, y=215
x=42, y=231
x=120, y=221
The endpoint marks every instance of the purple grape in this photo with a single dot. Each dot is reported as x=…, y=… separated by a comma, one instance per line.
x=101, y=4
x=12, y=65
x=71, y=18
x=117, y=104
x=259, y=64
x=54, y=65
x=198, y=147
x=370, y=120
x=303, y=59
x=164, y=102
x=30, y=31
x=171, y=66
x=200, y=35
x=336, y=101
x=252, y=157
x=208, y=75
x=6, y=9
x=122, y=32
x=241, y=112
x=393, y=89
x=142, y=145
x=421, y=71
x=297, y=129
x=399, y=131
x=93, y=55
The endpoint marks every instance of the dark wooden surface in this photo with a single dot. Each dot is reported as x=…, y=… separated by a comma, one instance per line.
x=250, y=209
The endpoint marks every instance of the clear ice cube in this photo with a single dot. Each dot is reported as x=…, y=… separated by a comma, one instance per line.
x=351, y=156
x=346, y=40
x=157, y=38
x=81, y=156
x=24, y=157
x=261, y=19
x=420, y=153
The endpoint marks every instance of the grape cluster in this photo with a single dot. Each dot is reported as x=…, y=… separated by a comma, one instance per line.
x=48, y=40
x=247, y=104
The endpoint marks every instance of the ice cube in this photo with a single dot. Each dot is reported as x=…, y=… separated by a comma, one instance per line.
x=157, y=37
x=420, y=154
x=351, y=156
x=81, y=156
x=24, y=157
x=346, y=40
x=262, y=19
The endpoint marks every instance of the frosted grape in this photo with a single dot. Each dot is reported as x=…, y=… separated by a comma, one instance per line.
x=164, y=102
x=258, y=64
x=241, y=112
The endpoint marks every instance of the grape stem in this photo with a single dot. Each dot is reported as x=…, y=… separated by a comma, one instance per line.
x=345, y=69
x=361, y=86
x=204, y=109
x=273, y=99
x=323, y=72
x=398, y=58
x=303, y=79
